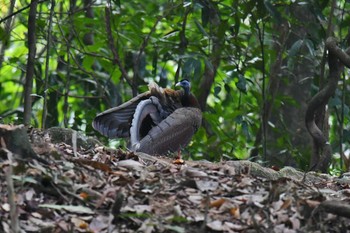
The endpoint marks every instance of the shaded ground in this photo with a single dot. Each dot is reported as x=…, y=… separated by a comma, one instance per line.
x=85, y=187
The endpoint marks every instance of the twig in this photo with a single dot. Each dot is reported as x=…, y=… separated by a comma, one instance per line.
x=7, y=33
x=10, y=189
x=182, y=45
x=11, y=195
x=145, y=42
x=19, y=11
x=116, y=58
x=205, y=221
x=264, y=117
x=48, y=47
x=77, y=96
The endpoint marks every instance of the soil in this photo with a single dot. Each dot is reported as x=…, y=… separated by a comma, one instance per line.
x=74, y=184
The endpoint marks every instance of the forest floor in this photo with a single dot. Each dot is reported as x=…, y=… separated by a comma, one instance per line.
x=78, y=185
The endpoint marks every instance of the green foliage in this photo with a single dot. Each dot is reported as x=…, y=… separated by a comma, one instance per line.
x=154, y=39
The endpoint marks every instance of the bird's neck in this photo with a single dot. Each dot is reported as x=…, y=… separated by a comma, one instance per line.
x=189, y=100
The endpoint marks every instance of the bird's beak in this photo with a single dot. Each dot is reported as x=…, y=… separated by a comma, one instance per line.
x=178, y=84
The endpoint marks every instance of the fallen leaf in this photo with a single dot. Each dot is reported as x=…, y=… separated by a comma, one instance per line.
x=139, y=209
x=295, y=222
x=286, y=203
x=191, y=172
x=29, y=194
x=36, y=215
x=234, y=227
x=217, y=203
x=312, y=203
x=235, y=212
x=41, y=223
x=79, y=223
x=69, y=208
x=99, y=223
x=215, y=225
x=95, y=164
x=207, y=185
x=84, y=195
x=196, y=199
x=175, y=228
x=179, y=162
x=131, y=164
x=245, y=181
x=6, y=207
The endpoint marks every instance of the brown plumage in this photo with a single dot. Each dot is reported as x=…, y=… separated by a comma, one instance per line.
x=157, y=121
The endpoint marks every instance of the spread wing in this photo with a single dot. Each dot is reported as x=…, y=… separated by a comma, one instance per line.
x=116, y=122
x=172, y=133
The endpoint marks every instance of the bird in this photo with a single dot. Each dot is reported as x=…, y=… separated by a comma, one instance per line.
x=158, y=121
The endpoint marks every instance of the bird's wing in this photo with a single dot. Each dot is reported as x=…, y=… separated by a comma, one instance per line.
x=148, y=113
x=116, y=122
x=172, y=133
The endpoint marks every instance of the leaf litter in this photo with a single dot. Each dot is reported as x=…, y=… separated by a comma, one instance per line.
x=98, y=189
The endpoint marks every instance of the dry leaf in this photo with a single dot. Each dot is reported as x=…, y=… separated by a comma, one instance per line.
x=192, y=172
x=207, y=185
x=286, y=203
x=79, y=223
x=95, y=164
x=234, y=211
x=70, y=208
x=179, y=162
x=131, y=164
x=312, y=203
x=84, y=195
x=217, y=203
x=215, y=225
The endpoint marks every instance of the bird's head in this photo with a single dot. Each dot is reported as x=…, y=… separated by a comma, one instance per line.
x=185, y=84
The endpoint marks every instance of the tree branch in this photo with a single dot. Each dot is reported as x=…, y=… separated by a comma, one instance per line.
x=343, y=56
x=116, y=58
x=47, y=76
x=19, y=11
x=323, y=151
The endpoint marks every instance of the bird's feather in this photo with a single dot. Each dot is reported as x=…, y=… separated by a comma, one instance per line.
x=158, y=121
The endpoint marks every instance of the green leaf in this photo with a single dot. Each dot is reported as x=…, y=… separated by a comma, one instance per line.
x=88, y=61
x=199, y=26
x=241, y=84
x=272, y=11
x=205, y=15
x=310, y=45
x=217, y=90
x=117, y=2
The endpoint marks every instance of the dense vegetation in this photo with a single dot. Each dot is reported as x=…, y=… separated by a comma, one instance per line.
x=254, y=66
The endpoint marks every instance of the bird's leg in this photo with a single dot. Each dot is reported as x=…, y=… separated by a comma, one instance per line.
x=178, y=154
x=178, y=160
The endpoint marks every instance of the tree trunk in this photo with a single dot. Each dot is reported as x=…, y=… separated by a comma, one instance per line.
x=30, y=64
x=287, y=139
